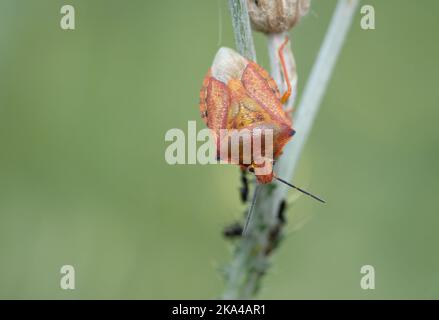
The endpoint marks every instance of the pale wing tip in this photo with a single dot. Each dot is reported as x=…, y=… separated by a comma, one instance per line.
x=228, y=64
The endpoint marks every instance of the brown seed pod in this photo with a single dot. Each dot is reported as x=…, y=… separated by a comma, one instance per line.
x=275, y=16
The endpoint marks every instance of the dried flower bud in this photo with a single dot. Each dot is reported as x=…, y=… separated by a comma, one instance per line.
x=275, y=16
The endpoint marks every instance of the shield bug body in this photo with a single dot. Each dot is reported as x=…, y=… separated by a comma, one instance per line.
x=238, y=94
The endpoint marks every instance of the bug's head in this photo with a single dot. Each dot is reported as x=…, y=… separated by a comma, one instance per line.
x=263, y=172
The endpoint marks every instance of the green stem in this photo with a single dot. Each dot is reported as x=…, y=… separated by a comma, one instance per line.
x=242, y=28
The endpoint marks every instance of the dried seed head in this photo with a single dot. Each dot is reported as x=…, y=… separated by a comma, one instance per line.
x=275, y=16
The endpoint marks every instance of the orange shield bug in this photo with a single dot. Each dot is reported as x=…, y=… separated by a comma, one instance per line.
x=238, y=95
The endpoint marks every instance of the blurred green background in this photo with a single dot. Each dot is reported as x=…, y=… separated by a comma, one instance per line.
x=83, y=180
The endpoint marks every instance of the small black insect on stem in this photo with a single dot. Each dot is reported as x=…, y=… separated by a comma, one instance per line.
x=281, y=212
x=243, y=191
x=233, y=231
x=275, y=234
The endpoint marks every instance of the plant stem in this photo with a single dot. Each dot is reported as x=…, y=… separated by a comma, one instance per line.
x=242, y=28
x=251, y=256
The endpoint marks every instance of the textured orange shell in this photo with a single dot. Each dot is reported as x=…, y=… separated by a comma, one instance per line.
x=253, y=101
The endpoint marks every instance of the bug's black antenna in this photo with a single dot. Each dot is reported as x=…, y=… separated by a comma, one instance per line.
x=300, y=189
x=252, y=207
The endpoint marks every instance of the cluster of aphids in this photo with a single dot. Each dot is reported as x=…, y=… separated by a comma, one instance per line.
x=235, y=230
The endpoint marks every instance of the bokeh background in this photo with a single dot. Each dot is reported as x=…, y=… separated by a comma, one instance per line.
x=83, y=180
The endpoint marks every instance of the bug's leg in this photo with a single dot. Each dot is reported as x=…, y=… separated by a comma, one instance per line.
x=243, y=191
x=287, y=93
